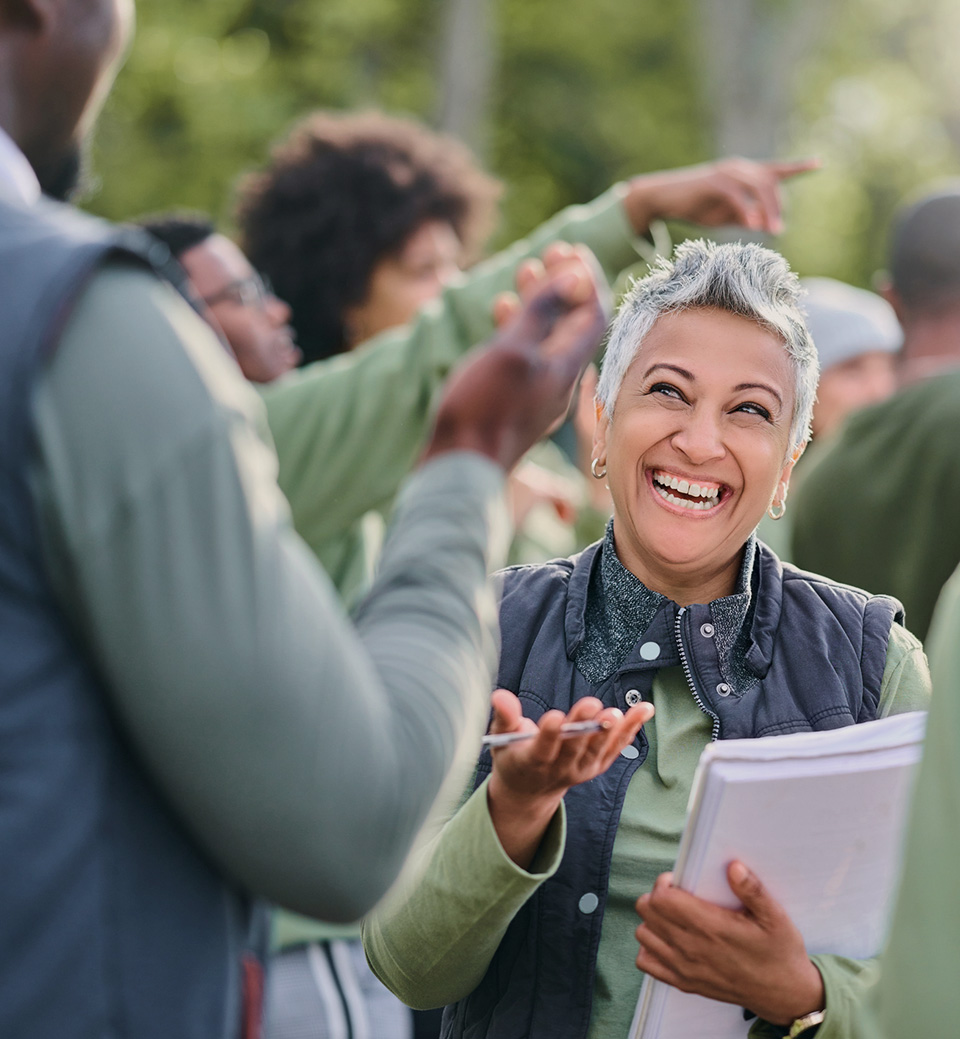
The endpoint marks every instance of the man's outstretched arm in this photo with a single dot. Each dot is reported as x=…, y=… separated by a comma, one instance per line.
x=302, y=753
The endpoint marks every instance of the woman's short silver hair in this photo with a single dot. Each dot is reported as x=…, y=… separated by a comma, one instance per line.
x=742, y=278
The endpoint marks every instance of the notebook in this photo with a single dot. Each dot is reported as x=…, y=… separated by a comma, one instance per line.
x=819, y=817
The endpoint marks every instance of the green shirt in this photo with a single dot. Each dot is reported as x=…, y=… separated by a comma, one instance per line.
x=877, y=508
x=301, y=751
x=917, y=993
x=348, y=429
x=432, y=943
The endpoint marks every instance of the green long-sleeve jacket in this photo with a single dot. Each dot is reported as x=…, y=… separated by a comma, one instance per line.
x=348, y=429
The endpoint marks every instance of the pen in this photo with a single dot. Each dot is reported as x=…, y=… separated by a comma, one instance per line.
x=501, y=739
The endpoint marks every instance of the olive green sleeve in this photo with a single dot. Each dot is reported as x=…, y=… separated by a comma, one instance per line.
x=301, y=751
x=906, y=676
x=432, y=941
x=917, y=993
x=348, y=429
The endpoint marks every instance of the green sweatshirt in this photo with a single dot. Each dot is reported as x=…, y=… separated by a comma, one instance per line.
x=348, y=429
x=877, y=508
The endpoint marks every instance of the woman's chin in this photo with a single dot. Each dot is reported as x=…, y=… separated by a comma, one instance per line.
x=680, y=543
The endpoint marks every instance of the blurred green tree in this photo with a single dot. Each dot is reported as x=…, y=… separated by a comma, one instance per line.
x=562, y=98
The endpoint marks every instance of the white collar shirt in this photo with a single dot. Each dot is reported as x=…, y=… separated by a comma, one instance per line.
x=18, y=182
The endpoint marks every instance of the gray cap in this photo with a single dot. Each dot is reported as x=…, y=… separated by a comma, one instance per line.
x=845, y=321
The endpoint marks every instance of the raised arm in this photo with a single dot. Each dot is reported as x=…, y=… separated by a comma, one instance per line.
x=302, y=753
x=357, y=422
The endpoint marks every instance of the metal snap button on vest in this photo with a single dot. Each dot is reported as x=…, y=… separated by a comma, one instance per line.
x=630, y=751
x=588, y=902
x=723, y=689
x=649, y=651
x=706, y=630
x=633, y=697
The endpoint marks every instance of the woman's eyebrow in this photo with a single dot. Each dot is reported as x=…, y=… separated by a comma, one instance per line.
x=670, y=367
x=760, y=386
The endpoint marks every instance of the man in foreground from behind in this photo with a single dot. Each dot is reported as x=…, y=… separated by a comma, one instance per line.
x=187, y=720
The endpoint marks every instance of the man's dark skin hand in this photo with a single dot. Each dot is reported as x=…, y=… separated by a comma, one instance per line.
x=501, y=400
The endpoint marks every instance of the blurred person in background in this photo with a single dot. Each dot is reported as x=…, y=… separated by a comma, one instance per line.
x=876, y=510
x=360, y=219
x=230, y=294
x=857, y=337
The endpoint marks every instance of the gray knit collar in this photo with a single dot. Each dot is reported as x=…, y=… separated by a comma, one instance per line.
x=620, y=608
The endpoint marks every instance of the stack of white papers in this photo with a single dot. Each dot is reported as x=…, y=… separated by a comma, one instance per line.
x=819, y=818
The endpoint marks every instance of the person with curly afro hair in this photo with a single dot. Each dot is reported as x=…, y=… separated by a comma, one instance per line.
x=360, y=219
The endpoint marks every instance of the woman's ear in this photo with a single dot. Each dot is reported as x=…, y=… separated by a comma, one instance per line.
x=787, y=470
x=600, y=433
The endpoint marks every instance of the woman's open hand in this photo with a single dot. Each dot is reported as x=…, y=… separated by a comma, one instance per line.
x=529, y=778
x=754, y=956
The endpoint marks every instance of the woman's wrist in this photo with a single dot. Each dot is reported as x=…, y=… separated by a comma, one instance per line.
x=807, y=996
x=520, y=819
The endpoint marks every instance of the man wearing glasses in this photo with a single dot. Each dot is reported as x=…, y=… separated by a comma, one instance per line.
x=234, y=298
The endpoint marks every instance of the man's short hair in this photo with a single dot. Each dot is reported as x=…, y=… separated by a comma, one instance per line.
x=179, y=231
x=343, y=192
x=925, y=250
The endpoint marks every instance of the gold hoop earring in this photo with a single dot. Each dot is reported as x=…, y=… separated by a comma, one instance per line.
x=781, y=505
x=595, y=468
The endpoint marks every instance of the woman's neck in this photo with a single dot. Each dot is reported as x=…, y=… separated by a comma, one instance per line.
x=684, y=588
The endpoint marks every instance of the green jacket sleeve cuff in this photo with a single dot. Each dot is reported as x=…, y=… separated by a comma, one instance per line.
x=432, y=942
x=845, y=984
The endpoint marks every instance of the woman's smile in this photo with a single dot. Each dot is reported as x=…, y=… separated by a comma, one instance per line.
x=693, y=494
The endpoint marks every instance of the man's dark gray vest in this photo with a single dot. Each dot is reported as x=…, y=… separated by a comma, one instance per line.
x=815, y=653
x=112, y=922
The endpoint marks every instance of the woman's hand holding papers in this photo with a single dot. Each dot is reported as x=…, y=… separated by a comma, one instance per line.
x=754, y=956
x=530, y=778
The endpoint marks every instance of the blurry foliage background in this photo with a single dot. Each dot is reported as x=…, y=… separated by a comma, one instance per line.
x=559, y=97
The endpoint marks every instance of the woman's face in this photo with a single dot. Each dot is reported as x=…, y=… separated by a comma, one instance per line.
x=401, y=284
x=697, y=448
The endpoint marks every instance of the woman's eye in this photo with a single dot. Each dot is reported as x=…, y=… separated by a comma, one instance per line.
x=666, y=390
x=750, y=408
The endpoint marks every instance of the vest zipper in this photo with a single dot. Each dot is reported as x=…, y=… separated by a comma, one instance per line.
x=689, y=676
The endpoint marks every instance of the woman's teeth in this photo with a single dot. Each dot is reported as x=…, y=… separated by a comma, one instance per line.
x=699, y=497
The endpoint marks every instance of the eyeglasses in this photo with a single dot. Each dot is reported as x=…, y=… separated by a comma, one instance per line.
x=253, y=291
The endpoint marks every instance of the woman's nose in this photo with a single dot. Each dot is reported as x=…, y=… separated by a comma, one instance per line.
x=700, y=438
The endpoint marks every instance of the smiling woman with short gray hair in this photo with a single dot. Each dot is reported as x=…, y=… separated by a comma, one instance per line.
x=524, y=919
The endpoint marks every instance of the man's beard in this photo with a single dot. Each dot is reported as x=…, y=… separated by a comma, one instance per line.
x=68, y=176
